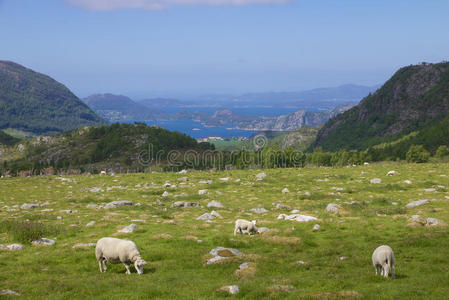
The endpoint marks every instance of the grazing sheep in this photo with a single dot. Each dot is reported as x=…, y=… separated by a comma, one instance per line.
x=249, y=227
x=383, y=260
x=103, y=173
x=117, y=251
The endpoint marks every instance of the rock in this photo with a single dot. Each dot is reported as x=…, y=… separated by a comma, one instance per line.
x=391, y=173
x=224, y=179
x=128, y=229
x=278, y=288
x=296, y=217
x=430, y=190
x=300, y=262
x=69, y=211
x=279, y=205
x=205, y=181
x=12, y=247
x=285, y=191
x=262, y=229
x=95, y=190
x=366, y=163
x=231, y=289
x=215, y=214
x=307, y=193
x=59, y=218
x=184, y=179
x=209, y=216
x=91, y=223
x=202, y=192
x=417, y=203
x=316, y=227
x=432, y=221
x=333, y=208
x=94, y=206
x=43, y=242
x=88, y=245
x=294, y=211
x=376, y=180
x=343, y=258
x=185, y=204
x=220, y=253
x=215, y=204
x=259, y=210
x=261, y=176
x=10, y=293
x=115, y=204
x=30, y=206
x=165, y=194
x=183, y=172
x=407, y=181
x=237, y=180
x=394, y=203
x=166, y=185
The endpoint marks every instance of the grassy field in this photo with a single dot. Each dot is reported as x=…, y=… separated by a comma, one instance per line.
x=176, y=245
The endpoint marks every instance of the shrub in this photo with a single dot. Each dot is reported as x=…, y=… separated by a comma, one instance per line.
x=25, y=232
x=442, y=151
x=417, y=154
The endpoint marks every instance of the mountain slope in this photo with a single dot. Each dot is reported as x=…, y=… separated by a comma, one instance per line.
x=36, y=103
x=120, y=108
x=414, y=98
x=6, y=139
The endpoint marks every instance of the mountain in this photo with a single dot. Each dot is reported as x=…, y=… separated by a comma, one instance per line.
x=414, y=99
x=292, y=121
x=120, y=108
x=6, y=139
x=36, y=103
x=117, y=147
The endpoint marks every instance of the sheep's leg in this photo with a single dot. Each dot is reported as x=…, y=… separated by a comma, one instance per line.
x=100, y=264
x=392, y=271
x=105, y=266
x=235, y=230
x=127, y=269
x=386, y=268
x=377, y=269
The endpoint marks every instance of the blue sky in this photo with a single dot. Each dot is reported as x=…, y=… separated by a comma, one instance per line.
x=180, y=48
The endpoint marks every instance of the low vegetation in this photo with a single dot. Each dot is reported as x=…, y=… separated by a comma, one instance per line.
x=289, y=261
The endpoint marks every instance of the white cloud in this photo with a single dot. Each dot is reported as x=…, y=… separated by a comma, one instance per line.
x=107, y=5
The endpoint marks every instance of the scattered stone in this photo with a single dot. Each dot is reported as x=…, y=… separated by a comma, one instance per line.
x=95, y=190
x=259, y=210
x=430, y=190
x=279, y=205
x=205, y=181
x=88, y=245
x=261, y=176
x=391, y=173
x=307, y=193
x=184, y=179
x=185, y=204
x=12, y=247
x=209, y=216
x=165, y=194
x=296, y=217
x=394, y=203
x=69, y=211
x=376, y=180
x=432, y=221
x=202, y=192
x=224, y=179
x=166, y=185
x=316, y=227
x=261, y=230
x=94, y=206
x=30, y=206
x=91, y=223
x=43, y=242
x=220, y=253
x=231, y=289
x=343, y=258
x=128, y=229
x=237, y=180
x=333, y=208
x=115, y=204
x=300, y=262
x=246, y=270
x=10, y=293
x=417, y=203
x=215, y=204
x=183, y=172
x=407, y=181
x=285, y=191
x=294, y=211
x=58, y=218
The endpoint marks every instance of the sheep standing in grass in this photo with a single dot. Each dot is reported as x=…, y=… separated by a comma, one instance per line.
x=116, y=251
x=383, y=260
x=244, y=225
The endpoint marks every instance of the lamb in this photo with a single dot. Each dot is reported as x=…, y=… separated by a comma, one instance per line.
x=116, y=251
x=249, y=227
x=383, y=260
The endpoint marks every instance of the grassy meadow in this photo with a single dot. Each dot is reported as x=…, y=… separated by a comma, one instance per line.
x=336, y=259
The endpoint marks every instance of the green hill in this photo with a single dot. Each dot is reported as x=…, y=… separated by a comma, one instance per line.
x=6, y=139
x=416, y=98
x=36, y=103
x=115, y=147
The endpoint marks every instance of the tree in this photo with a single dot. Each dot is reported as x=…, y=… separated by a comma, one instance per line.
x=442, y=151
x=417, y=154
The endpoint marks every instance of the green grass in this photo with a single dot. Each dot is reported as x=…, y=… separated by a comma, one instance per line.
x=176, y=267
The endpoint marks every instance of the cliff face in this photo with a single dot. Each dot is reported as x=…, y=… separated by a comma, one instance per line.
x=413, y=98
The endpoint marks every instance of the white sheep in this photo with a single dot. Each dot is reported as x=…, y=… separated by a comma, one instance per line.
x=116, y=251
x=103, y=173
x=383, y=260
x=244, y=225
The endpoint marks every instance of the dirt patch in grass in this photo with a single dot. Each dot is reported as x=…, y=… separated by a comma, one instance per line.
x=337, y=295
x=246, y=273
x=290, y=240
x=278, y=289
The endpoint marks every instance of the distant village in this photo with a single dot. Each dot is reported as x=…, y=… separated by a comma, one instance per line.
x=219, y=138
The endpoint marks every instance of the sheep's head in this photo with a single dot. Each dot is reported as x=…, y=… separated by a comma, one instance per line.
x=254, y=222
x=139, y=264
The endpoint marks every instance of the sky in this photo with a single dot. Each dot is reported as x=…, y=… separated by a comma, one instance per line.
x=186, y=48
